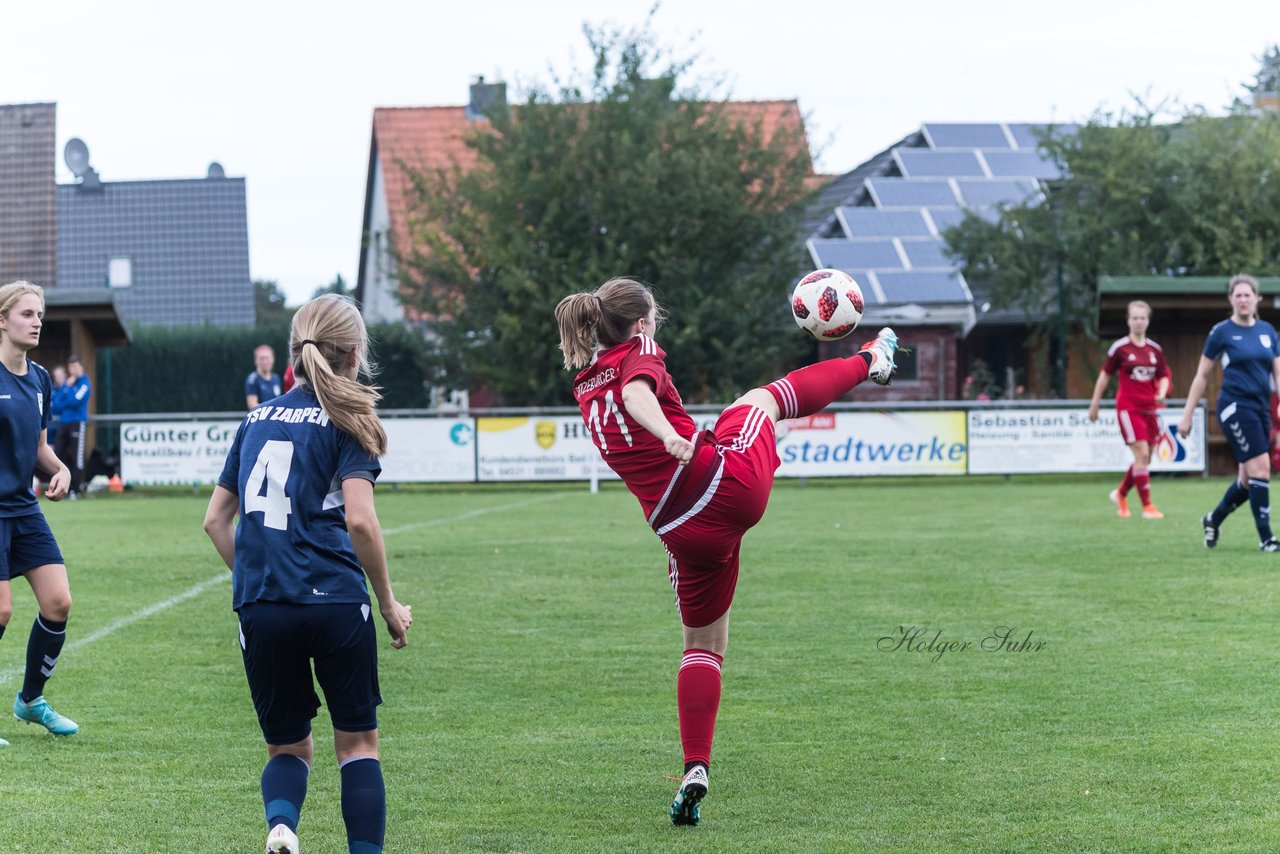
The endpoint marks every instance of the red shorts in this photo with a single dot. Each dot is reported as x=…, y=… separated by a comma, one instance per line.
x=1138, y=426
x=717, y=498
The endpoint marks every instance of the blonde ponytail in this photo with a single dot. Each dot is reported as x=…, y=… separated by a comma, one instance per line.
x=602, y=319
x=326, y=334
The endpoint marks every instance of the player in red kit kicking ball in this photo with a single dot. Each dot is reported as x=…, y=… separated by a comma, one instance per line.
x=1144, y=382
x=700, y=492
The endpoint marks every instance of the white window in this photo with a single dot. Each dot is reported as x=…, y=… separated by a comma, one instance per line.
x=120, y=272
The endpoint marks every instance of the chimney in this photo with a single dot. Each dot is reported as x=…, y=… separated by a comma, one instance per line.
x=486, y=97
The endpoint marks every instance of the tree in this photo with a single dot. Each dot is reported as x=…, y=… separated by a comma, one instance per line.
x=628, y=172
x=1268, y=77
x=1198, y=196
x=269, y=302
x=337, y=286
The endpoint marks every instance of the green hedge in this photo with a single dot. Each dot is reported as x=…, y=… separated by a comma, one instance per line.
x=202, y=368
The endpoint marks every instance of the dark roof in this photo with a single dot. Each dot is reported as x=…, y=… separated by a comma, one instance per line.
x=187, y=242
x=96, y=309
x=27, y=141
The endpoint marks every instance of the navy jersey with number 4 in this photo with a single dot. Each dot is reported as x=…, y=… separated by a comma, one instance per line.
x=24, y=415
x=287, y=465
x=1247, y=354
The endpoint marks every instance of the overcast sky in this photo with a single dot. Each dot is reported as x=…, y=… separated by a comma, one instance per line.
x=283, y=93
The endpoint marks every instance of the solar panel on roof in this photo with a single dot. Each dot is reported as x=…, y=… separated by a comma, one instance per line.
x=944, y=218
x=855, y=254
x=927, y=253
x=923, y=287
x=910, y=192
x=925, y=163
x=993, y=191
x=1021, y=164
x=1028, y=135
x=874, y=222
x=957, y=135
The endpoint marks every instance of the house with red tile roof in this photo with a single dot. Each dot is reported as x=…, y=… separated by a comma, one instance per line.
x=427, y=138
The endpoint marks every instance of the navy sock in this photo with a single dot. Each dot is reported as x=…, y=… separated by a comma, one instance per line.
x=364, y=805
x=1, y=630
x=284, y=788
x=43, y=648
x=1231, y=499
x=1260, y=503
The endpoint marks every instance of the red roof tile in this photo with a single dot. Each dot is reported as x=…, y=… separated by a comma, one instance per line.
x=433, y=137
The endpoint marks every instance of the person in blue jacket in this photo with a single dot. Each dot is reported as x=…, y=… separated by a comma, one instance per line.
x=68, y=443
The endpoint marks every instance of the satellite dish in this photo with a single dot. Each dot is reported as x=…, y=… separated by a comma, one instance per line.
x=76, y=156
x=216, y=170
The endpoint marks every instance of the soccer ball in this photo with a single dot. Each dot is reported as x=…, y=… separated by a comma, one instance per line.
x=827, y=304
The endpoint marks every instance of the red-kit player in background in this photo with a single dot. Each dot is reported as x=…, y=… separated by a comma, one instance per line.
x=1144, y=380
x=700, y=492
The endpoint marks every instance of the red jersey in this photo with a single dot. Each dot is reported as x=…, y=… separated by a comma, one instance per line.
x=1139, y=368
x=635, y=454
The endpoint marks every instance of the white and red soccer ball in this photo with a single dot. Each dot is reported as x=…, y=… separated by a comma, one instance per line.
x=827, y=304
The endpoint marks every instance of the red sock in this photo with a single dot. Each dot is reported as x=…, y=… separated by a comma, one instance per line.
x=698, y=700
x=1142, y=480
x=1127, y=483
x=810, y=389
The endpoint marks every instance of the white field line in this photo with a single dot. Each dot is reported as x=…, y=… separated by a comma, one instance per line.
x=191, y=593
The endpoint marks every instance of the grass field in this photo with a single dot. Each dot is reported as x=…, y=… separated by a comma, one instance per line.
x=534, y=707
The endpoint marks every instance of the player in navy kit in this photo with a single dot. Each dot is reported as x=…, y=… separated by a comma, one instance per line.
x=27, y=546
x=700, y=492
x=1250, y=354
x=300, y=476
x=262, y=384
x=1142, y=388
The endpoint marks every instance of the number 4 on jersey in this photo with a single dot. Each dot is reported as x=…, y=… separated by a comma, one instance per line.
x=274, y=461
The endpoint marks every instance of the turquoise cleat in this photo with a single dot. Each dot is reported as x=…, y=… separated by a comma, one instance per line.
x=38, y=711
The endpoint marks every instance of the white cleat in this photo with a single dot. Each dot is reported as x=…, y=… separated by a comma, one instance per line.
x=882, y=350
x=282, y=840
x=693, y=788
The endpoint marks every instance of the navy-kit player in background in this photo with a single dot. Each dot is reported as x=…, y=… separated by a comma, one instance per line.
x=27, y=546
x=1250, y=354
x=262, y=384
x=300, y=476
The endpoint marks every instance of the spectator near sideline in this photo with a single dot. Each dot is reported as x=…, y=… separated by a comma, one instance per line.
x=262, y=385
x=69, y=440
x=1143, y=386
x=57, y=402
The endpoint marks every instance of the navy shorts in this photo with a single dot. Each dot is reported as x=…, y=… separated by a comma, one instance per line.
x=25, y=543
x=1247, y=428
x=279, y=641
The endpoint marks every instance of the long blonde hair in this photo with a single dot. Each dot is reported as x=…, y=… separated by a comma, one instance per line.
x=602, y=318
x=14, y=291
x=323, y=337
